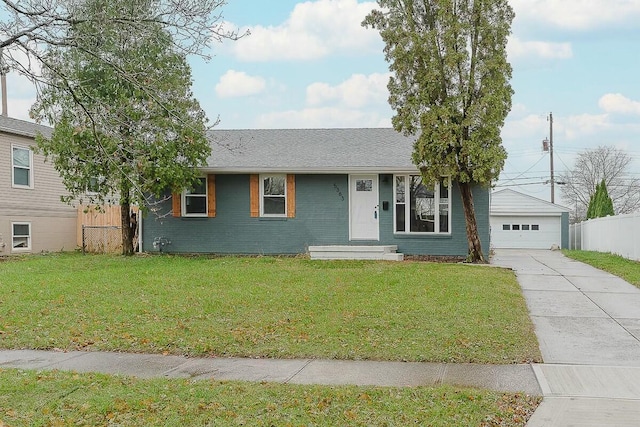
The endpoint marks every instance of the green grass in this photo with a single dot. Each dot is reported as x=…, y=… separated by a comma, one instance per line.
x=32, y=398
x=615, y=264
x=265, y=307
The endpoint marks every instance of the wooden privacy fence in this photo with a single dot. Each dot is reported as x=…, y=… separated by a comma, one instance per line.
x=99, y=228
x=619, y=234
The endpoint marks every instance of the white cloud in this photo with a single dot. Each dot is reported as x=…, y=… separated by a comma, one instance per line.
x=533, y=128
x=584, y=125
x=322, y=118
x=356, y=92
x=313, y=30
x=517, y=49
x=618, y=103
x=238, y=83
x=578, y=14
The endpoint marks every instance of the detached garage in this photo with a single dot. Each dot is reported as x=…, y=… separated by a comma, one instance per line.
x=519, y=221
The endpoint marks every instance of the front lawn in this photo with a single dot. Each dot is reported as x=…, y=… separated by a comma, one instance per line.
x=615, y=264
x=265, y=307
x=32, y=398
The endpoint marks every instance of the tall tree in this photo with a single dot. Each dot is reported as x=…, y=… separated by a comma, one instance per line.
x=593, y=201
x=125, y=122
x=600, y=204
x=592, y=167
x=450, y=87
x=606, y=204
x=29, y=27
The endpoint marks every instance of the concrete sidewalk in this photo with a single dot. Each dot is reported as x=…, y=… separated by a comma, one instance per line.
x=504, y=378
x=588, y=326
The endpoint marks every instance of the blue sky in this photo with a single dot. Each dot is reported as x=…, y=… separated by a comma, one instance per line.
x=310, y=64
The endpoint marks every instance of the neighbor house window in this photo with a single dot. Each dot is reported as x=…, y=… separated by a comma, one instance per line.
x=21, y=236
x=273, y=195
x=194, y=201
x=22, y=170
x=421, y=208
x=94, y=185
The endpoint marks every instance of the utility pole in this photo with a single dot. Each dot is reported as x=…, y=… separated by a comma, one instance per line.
x=547, y=145
x=3, y=83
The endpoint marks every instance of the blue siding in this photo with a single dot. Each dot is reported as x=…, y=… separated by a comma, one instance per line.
x=322, y=218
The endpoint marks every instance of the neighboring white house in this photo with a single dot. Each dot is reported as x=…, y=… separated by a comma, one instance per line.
x=519, y=221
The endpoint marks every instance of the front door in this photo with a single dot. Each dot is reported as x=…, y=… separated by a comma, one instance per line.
x=363, y=196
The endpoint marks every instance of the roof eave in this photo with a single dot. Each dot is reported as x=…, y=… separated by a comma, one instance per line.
x=303, y=170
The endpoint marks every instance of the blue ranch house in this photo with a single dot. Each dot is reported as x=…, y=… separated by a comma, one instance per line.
x=293, y=191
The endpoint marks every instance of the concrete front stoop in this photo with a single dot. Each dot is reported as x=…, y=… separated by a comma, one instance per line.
x=386, y=252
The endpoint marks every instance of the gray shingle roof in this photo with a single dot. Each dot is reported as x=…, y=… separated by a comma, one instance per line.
x=310, y=150
x=289, y=150
x=22, y=127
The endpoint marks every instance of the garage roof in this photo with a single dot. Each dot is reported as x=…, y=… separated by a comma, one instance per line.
x=510, y=202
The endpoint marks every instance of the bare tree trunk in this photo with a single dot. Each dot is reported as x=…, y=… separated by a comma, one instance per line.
x=127, y=229
x=475, y=248
x=125, y=218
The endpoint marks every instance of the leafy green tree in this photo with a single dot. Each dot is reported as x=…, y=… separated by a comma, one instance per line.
x=29, y=27
x=606, y=204
x=592, y=202
x=126, y=125
x=600, y=204
x=450, y=88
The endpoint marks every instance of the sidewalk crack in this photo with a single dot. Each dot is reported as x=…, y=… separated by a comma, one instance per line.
x=308, y=362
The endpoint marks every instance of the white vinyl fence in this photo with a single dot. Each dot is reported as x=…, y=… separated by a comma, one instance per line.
x=618, y=234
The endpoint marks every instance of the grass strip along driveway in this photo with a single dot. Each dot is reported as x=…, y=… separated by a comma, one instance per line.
x=258, y=307
x=626, y=269
x=266, y=307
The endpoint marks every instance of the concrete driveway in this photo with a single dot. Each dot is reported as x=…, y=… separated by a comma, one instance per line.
x=582, y=315
x=588, y=327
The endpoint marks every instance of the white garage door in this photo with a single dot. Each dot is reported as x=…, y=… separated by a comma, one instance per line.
x=522, y=232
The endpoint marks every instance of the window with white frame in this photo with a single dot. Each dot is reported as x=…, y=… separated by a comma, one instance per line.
x=21, y=236
x=421, y=208
x=194, y=201
x=22, y=167
x=273, y=195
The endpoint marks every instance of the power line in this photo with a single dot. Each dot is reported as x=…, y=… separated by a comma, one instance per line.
x=534, y=165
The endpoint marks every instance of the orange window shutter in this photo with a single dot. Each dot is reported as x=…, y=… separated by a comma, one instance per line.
x=176, y=206
x=211, y=195
x=254, y=195
x=291, y=196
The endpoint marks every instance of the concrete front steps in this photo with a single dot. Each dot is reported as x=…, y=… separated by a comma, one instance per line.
x=387, y=252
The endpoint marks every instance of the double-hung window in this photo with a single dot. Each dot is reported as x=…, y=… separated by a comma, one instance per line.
x=22, y=167
x=194, y=201
x=21, y=236
x=273, y=195
x=421, y=208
